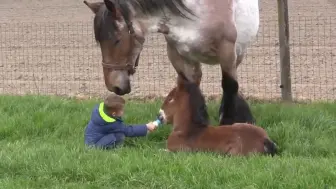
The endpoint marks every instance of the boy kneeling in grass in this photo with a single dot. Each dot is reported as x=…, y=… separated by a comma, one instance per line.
x=106, y=128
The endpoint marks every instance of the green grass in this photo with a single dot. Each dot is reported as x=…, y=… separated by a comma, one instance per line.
x=41, y=140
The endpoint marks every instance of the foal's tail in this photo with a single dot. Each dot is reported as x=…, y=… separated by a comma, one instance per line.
x=270, y=147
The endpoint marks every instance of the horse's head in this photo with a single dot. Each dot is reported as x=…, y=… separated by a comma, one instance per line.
x=120, y=44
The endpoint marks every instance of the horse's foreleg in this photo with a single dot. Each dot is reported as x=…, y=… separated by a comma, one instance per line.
x=242, y=112
x=191, y=69
x=228, y=57
x=239, y=59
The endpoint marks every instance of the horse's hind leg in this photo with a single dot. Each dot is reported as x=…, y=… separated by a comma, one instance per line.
x=227, y=54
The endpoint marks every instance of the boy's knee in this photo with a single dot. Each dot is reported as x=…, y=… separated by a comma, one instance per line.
x=108, y=141
x=111, y=141
x=120, y=136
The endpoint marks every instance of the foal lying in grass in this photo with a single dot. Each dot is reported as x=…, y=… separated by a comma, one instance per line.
x=185, y=108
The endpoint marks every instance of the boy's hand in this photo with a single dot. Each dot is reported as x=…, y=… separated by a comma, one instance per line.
x=151, y=126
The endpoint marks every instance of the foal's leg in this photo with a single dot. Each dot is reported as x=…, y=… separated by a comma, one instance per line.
x=227, y=55
x=176, y=143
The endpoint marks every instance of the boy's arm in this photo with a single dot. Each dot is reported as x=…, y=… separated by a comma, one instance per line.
x=136, y=130
x=132, y=130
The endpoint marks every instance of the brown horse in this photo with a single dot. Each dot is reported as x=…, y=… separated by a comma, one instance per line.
x=185, y=109
x=196, y=31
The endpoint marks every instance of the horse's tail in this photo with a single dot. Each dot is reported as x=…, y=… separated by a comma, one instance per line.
x=270, y=147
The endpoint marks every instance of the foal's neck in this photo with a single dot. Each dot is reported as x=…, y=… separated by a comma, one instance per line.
x=186, y=128
x=182, y=120
x=183, y=123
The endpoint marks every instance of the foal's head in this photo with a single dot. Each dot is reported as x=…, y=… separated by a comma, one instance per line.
x=185, y=103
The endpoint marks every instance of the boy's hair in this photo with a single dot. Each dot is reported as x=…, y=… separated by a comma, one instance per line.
x=114, y=102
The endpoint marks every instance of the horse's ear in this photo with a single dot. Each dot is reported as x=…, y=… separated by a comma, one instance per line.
x=94, y=6
x=111, y=6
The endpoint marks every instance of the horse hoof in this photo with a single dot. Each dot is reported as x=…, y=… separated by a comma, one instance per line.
x=226, y=121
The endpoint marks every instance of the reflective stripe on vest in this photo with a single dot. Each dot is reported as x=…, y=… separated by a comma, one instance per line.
x=104, y=115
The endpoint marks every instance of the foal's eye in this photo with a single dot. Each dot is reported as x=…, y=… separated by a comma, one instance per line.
x=171, y=100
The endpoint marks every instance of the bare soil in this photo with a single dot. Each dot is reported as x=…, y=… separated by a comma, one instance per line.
x=47, y=47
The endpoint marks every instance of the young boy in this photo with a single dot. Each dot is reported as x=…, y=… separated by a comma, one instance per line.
x=106, y=129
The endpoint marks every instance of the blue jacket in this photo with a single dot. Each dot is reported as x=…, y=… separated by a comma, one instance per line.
x=102, y=124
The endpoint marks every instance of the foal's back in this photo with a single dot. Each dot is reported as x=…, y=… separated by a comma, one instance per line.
x=237, y=139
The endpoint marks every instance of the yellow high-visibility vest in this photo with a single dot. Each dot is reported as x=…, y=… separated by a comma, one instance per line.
x=102, y=114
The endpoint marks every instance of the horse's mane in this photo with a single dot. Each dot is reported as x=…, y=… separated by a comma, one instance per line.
x=104, y=26
x=152, y=7
x=198, y=108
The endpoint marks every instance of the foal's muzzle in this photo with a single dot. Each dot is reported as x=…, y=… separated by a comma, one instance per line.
x=160, y=117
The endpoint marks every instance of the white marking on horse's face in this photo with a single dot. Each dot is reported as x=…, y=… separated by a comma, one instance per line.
x=162, y=113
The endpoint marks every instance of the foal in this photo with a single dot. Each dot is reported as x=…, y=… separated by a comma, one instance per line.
x=185, y=108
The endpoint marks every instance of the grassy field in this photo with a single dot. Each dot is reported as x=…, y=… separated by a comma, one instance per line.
x=41, y=141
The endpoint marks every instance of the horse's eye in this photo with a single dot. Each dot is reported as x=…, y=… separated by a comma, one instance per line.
x=116, y=42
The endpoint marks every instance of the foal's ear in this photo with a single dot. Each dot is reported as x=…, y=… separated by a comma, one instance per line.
x=94, y=6
x=112, y=7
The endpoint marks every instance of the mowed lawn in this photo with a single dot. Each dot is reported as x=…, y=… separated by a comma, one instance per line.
x=41, y=140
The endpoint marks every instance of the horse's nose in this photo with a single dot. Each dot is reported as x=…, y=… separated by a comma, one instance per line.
x=119, y=83
x=121, y=90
